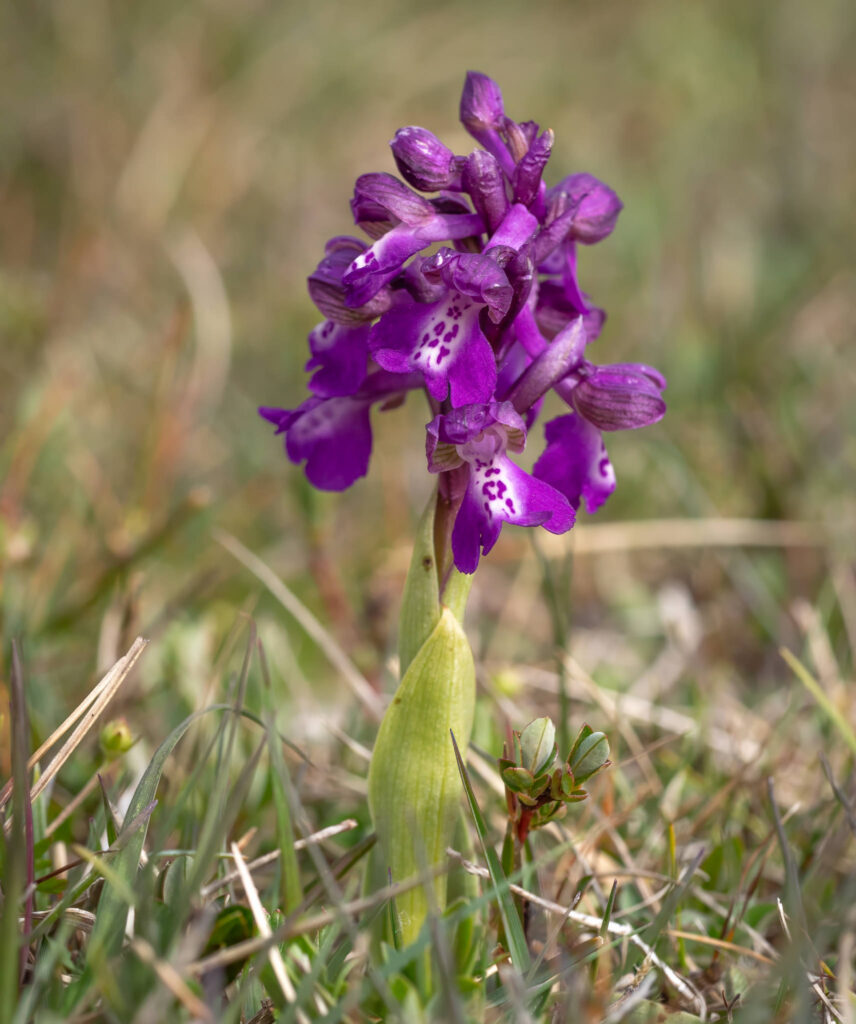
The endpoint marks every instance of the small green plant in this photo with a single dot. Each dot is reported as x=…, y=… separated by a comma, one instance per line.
x=538, y=787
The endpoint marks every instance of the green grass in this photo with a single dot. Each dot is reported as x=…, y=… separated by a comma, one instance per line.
x=168, y=177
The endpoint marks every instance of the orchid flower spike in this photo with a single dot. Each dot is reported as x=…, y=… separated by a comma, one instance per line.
x=468, y=289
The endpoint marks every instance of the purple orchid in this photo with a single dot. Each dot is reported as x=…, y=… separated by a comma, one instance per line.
x=487, y=325
x=332, y=435
x=497, y=491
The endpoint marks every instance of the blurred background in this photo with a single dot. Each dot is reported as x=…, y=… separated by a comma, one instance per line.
x=169, y=174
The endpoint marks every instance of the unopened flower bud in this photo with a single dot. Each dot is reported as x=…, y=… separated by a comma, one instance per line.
x=384, y=200
x=424, y=161
x=595, y=207
x=538, y=746
x=484, y=181
x=620, y=397
x=481, y=104
x=115, y=738
x=590, y=754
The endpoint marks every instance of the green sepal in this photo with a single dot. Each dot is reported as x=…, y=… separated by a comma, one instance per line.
x=414, y=784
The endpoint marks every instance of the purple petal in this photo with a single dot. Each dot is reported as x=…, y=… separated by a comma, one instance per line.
x=621, y=397
x=481, y=103
x=527, y=180
x=483, y=116
x=569, y=279
x=424, y=161
x=520, y=271
x=554, y=310
x=328, y=293
x=575, y=462
x=475, y=277
x=517, y=227
x=560, y=357
x=484, y=182
x=463, y=425
x=339, y=358
x=501, y=492
x=651, y=372
x=281, y=418
x=381, y=197
x=595, y=206
x=472, y=533
x=380, y=263
x=443, y=341
x=332, y=435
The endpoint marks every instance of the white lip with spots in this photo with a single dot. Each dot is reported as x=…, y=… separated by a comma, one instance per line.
x=494, y=492
x=364, y=260
x=442, y=334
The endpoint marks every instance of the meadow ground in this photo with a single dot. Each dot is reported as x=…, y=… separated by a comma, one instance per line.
x=168, y=177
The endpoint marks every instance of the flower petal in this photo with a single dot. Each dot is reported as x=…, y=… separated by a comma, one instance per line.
x=443, y=341
x=527, y=179
x=332, y=435
x=595, y=206
x=424, y=161
x=473, y=276
x=327, y=291
x=380, y=263
x=339, y=358
x=501, y=492
x=554, y=310
x=484, y=182
x=518, y=227
x=382, y=197
x=481, y=103
x=575, y=462
x=559, y=358
x=620, y=397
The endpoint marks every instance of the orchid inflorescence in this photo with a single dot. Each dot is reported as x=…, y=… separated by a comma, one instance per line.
x=486, y=325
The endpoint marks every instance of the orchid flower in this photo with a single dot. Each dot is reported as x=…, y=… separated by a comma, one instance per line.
x=487, y=326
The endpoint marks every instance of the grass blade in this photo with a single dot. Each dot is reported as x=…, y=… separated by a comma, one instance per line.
x=290, y=889
x=826, y=705
x=17, y=850
x=112, y=907
x=510, y=919
x=652, y=932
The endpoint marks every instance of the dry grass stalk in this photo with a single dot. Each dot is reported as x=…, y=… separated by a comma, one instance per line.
x=264, y=928
x=269, y=858
x=90, y=709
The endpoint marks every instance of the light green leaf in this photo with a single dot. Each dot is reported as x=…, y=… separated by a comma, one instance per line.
x=414, y=787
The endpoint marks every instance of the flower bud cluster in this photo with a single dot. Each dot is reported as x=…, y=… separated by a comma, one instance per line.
x=540, y=786
x=485, y=325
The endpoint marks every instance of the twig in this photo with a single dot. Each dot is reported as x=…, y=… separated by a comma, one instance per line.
x=107, y=689
x=269, y=858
